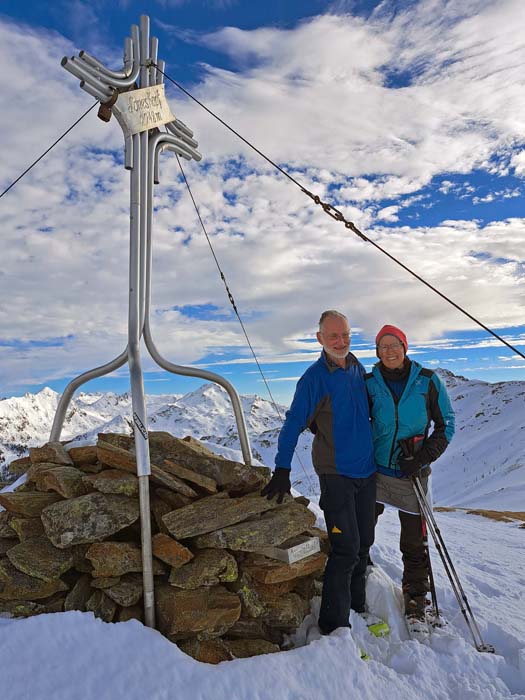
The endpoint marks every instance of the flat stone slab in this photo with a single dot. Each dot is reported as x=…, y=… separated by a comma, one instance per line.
x=26, y=527
x=79, y=595
x=128, y=591
x=114, y=481
x=19, y=466
x=37, y=557
x=205, y=612
x=83, y=455
x=101, y=606
x=122, y=459
x=89, y=518
x=212, y=513
x=170, y=551
x=191, y=454
x=28, y=504
x=287, y=612
x=208, y=568
x=6, y=529
x=51, y=452
x=273, y=571
x=118, y=558
x=270, y=529
x=67, y=481
x=15, y=585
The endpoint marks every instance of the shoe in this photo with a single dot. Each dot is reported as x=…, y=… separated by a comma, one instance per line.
x=415, y=606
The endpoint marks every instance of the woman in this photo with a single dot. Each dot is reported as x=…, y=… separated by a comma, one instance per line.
x=405, y=399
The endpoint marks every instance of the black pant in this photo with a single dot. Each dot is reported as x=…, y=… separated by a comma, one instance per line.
x=348, y=506
x=415, y=557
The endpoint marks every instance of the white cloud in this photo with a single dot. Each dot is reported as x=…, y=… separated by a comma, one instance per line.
x=316, y=97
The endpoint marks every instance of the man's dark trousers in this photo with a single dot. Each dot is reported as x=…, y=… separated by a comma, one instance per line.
x=349, y=511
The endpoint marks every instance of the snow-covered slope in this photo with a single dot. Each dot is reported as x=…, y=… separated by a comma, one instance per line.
x=484, y=466
x=45, y=656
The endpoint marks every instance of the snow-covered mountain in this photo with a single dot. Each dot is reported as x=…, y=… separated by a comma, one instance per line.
x=484, y=466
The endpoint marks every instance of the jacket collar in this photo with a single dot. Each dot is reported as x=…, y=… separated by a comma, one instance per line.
x=332, y=366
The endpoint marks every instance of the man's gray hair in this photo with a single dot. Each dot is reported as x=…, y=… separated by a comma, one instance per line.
x=331, y=313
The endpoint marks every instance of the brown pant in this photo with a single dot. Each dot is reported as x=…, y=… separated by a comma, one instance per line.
x=415, y=556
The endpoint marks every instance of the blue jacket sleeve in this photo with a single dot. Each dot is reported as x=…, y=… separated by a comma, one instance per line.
x=297, y=419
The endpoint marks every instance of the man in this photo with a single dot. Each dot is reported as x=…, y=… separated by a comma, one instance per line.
x=406, y=399
x=331, y=400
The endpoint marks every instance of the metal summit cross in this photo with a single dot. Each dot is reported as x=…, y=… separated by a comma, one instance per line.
x=135, y=95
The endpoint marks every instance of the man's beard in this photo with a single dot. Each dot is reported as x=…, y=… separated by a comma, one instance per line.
x=338, y=354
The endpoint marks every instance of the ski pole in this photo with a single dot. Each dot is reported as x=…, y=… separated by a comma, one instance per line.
x=450, y=570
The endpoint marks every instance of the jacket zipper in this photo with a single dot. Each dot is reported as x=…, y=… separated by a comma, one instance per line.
x=395, y=431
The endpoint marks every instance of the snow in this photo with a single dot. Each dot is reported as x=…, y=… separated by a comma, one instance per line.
x=72, y=654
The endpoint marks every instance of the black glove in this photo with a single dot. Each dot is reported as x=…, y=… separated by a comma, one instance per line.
x=279, y=484
x=409, y=466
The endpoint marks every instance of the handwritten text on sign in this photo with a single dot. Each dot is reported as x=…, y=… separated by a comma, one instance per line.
x=142, y=109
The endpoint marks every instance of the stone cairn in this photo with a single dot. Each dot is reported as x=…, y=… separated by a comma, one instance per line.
x=70, y=540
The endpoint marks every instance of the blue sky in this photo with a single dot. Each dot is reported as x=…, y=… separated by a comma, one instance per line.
x=407, y=115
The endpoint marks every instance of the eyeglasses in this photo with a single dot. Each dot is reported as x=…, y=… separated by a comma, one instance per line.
x=332, y=337
x=389, y=346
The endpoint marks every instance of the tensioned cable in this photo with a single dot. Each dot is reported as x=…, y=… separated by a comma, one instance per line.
x=338, y=216
x=49, y=149
x=232, y=302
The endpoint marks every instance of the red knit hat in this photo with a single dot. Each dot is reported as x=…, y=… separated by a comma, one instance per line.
x=396, y=332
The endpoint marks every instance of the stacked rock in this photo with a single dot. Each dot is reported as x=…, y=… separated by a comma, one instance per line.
x=70, y=540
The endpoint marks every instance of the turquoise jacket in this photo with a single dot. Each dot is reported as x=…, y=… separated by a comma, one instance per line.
x=423, y=402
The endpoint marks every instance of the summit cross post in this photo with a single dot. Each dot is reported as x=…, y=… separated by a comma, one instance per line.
x=135, y=95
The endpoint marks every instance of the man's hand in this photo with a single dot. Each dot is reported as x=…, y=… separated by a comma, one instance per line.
x=278, y=485
x=409, y=466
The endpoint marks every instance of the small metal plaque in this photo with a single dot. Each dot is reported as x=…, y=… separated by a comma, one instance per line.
x=142, y=109
x=293, y=552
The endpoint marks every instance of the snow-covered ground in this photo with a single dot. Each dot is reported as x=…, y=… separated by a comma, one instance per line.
x=73, y=655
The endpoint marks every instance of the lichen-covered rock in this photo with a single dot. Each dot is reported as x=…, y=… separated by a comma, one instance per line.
x=273, y=571
x=170, y=551
x=118, y=558
x=101, y=606
x=118, y=458
x=28, y=505
x=7, y=543
x=15, y=585
x=128, y=591
x=131, y=612
x=205, y=612
x=67, y=481
x=88, y=518
x=287, y=612
x=253, y=604
x=79, y=595
x=83, y=455
x=270, y=529
x=190, y=454
x=51, y=452
x=19, y=466
x=26, y=527
x=209, y=567
x=6, y=529
x=114, y=481
x=105, y=581
x=37, y=557
x=29, y=608
x=174, y=500
x=207, y=651
x=212, y=513
x=244, y=648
